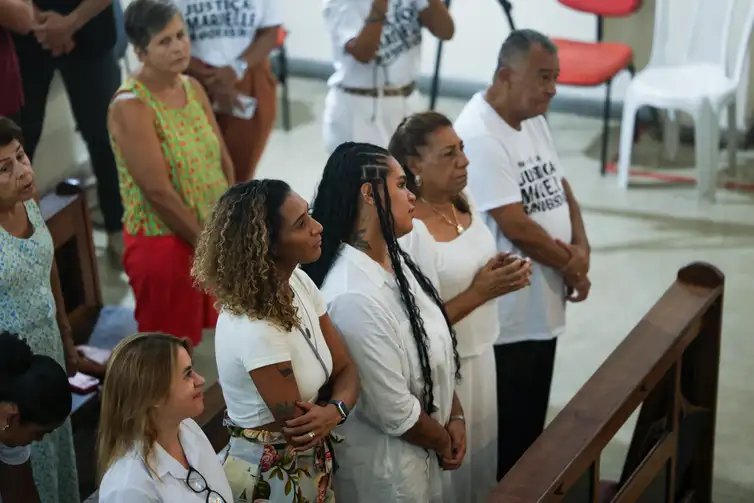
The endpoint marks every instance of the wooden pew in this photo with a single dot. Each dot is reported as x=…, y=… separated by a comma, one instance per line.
x=211, y=420
x=669, y=366
x=67, y=217
x=66, y=214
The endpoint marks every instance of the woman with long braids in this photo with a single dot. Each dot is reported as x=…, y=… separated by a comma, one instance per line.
x=286, y=376
x=409, y=424
x=451, y=242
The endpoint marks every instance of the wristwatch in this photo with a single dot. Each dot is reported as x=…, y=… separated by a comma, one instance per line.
x=342, y=409
x=239, y=65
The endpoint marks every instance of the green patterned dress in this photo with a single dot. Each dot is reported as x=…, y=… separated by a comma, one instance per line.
x=193, y=159
x=27, y=308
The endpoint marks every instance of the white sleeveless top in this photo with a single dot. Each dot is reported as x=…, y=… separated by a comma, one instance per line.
x=451, y=265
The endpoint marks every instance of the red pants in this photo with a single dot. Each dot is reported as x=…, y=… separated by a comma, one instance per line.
x=159, y=271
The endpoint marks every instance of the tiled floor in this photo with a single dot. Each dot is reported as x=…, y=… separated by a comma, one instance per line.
x=640, y=238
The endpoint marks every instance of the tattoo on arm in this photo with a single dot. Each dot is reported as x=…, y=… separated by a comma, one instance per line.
x=359, y=242
x=285, y=369
x=282, y=411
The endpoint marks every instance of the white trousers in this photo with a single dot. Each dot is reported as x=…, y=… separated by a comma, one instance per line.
x=477, y=391
x=349, y=117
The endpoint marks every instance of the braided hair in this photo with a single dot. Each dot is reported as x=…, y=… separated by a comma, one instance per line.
x=336, y=208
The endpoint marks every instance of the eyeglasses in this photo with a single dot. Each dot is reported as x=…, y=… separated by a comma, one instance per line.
x=197, y=483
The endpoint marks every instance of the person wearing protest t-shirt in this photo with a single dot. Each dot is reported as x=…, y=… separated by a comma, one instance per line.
x=231, y=41
x=376, y=52
x=77, y=39
x=518, y=183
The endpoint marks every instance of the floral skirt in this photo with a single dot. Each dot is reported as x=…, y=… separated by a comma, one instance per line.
x=262, y=467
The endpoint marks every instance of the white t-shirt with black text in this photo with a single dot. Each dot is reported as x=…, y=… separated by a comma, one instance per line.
x=399, y=56
x=243, y=344
x=221, y=30
x=508, y=166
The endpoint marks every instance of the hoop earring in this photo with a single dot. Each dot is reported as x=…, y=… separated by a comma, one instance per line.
x=418, y=180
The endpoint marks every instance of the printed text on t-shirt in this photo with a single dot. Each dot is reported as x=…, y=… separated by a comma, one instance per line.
x=541, y=186
x=401, y=32
x=212, y=19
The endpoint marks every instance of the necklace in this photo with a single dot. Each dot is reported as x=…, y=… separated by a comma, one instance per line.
x=304, y=330
x=459, y=228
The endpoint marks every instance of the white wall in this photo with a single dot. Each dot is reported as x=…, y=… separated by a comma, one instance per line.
x=481, y=26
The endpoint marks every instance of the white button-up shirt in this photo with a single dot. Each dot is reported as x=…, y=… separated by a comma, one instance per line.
x=128, y=480
x=376, y=464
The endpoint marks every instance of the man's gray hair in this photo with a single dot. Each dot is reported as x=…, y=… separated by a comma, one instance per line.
x=519, y=43
x=144, y=19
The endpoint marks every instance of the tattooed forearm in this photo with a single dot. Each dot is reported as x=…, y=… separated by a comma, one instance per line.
x=285, y=369
x=283, y=411
x=359, y=242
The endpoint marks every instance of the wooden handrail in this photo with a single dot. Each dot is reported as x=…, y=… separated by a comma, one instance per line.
x=669, y=365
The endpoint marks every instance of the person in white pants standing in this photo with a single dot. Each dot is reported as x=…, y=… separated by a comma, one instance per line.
x=376, y=53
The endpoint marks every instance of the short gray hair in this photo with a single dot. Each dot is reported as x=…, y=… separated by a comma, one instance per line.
x=519, y=43
x=144, y=19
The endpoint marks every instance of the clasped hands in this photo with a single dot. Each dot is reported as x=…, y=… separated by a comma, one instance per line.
x=454, y=449
x=220, y=82
x=576, y=271
x=309, y=429
x=55, y=31
x=503, y=273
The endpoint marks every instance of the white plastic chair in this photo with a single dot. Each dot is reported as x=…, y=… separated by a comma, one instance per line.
x=702, y=86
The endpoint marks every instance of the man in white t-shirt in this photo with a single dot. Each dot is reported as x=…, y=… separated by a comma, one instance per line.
x=517, y=181
x=376, y=52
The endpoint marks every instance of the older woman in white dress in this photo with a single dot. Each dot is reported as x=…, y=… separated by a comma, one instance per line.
x=456, y=250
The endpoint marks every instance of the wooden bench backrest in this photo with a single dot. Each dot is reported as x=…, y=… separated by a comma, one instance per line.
x=67, y=217
x=668, y=365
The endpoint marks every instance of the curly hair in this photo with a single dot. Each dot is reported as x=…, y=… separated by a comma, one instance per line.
x=234, y=259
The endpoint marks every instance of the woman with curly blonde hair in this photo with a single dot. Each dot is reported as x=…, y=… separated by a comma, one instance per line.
x=285, y=373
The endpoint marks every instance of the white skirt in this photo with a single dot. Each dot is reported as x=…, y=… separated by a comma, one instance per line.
x=349, y=117
x=477, y=391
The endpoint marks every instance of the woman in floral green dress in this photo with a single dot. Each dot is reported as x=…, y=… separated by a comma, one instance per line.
x=31, y=303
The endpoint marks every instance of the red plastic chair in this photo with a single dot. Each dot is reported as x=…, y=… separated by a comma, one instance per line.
x=594, y=63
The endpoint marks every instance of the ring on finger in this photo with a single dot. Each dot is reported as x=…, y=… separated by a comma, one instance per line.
x=311, y=435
